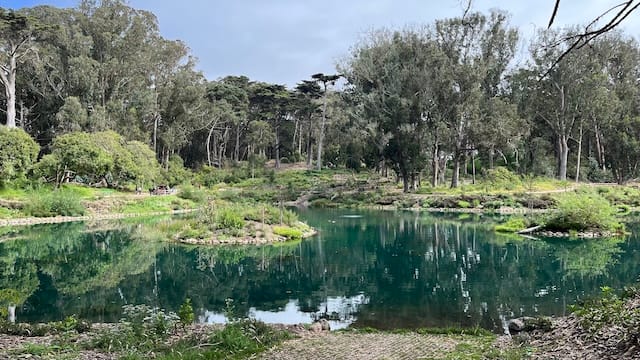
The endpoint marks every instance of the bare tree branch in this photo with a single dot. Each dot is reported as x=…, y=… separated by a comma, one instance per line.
x=555, y=12
x=578, y=41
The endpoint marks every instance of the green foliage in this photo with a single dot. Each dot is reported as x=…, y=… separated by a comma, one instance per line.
x=611, y=310
x=145, y=168
x=288, y=233
x=514, y=224
x=272, y=214
x=18, y=153
x=185, y=313
x=501, y=178
x=175, y=172
x=62, y=202
x=141, y=329
x=160, y=203
x=189, y=192
x=93, y=157
x=586, y=211
x=229, y=218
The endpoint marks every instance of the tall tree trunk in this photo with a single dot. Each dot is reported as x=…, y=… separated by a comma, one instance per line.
x=564, y=155
x=9, y=80
x=473, y=167
x=492, y=153
x=277, y=149
x=309, y=144
x=435, y=166
x=296, y=134
x=209, y=144
x=442, y=163
x=599, y=147
x=405, y=181
x=322, y=124
x=579, y=154
x=236, y=150
x=156, y=119
x=456, y=171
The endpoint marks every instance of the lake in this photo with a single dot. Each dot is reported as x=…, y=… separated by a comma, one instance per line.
x=375, y=269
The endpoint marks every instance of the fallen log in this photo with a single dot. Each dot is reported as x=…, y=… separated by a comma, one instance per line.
x=530, y=230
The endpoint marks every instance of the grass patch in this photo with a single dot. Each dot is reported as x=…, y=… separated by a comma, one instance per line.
x=62, y=202
x=289, y=233
x=160, y=203
x=513, y=225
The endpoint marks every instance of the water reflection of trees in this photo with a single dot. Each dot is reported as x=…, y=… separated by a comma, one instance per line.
x=56, y=266
x=414, y=269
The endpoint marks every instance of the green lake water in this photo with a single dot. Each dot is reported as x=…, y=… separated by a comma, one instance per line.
x=364, y=268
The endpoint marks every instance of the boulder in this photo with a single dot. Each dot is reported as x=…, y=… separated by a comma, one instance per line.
x=320, y=325
x=527, y=323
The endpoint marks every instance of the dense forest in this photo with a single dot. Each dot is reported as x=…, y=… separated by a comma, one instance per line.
x=107, y=99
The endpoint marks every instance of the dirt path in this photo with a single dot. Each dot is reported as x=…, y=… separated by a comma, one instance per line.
x=356, y=346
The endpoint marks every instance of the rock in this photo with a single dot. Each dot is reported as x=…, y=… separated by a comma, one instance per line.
x=527, y=323
x=320, y=325
x=516, y=325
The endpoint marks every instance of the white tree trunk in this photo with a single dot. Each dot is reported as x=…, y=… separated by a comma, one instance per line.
x=321, y=136
x=8, y=79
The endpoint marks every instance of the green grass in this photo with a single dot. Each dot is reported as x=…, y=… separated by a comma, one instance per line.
x=156, y=204
x=513, y=225
x=288, y=233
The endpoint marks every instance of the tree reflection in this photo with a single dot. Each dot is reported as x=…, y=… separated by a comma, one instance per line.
x=414, y=269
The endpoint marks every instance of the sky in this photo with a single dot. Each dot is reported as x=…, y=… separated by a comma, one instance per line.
x=286, y=41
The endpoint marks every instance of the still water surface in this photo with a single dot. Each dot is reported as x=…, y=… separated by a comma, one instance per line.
x=365, y=268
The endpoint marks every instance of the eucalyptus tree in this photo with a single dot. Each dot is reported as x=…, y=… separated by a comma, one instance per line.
x=17, y=36
x=184, y=110
x=616, y=109
x=324, y=80
x=477, y=50
x=556, y=98
x=390, y=72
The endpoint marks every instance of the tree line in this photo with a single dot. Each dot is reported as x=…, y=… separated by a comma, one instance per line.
x=443, y=101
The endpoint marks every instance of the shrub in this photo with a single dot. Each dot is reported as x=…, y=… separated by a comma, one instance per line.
x=57, y=203
x=583, y=212
x=228, y=218
x=18, y=153
x=185, y=313
x=287, y=232
x=501, y=178
x=189, y=192
x=141, y=329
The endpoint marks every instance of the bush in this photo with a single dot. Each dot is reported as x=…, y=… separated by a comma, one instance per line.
x=228, y=218
x=502, y=178
x=141, y=329
x=581, y=212
x=189, y=192
x=185, y=313
x=288, y=233
x=18, y=153
x=57, y=203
